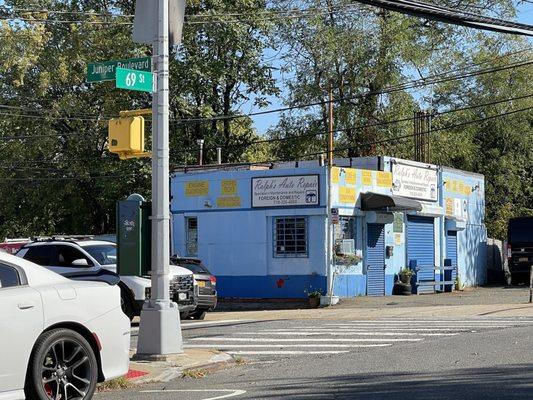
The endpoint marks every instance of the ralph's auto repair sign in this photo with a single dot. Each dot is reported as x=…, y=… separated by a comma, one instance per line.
x=414, y=182
x=285, y=191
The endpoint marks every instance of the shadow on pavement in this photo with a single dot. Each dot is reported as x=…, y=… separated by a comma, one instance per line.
x=501, y=383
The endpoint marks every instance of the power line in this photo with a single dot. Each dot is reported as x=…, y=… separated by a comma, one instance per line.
x=391, y=89
x=336, y=150
x=377, y=124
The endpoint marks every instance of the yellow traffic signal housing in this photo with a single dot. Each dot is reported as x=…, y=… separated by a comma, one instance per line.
x=126, y=137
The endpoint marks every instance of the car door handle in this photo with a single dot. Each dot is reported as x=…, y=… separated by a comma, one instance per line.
x=26, y=306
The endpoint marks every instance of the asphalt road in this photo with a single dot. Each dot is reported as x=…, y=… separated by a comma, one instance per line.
x=478, y=359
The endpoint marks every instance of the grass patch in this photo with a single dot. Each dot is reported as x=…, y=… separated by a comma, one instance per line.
x=115, y=384
x=240, y=361
x=194, y=373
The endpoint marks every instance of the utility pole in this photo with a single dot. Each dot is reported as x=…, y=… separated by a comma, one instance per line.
x=329, y=252
x=200, y=143
x=160, y=330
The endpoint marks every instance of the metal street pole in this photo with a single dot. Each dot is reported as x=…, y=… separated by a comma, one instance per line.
x=160, y=330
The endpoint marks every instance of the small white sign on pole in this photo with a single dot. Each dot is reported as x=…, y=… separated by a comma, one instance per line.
x=286, y=191
x=414, y=182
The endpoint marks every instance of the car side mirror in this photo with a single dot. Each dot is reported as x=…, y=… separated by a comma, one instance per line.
x=81, y=262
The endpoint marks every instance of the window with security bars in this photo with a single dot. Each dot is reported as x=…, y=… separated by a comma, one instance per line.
x=290, y=237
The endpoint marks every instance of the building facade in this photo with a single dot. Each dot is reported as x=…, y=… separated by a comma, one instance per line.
x=263, y=230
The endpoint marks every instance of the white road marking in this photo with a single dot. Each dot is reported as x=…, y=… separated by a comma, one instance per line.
x=206, y=324
x=235, y=346
x=232, y=339
x=281, y=352
x=342, y=333
x=370, y=329
x=232, y=393
x=401, y=326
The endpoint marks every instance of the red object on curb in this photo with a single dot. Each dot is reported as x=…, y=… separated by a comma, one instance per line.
x=134, y=374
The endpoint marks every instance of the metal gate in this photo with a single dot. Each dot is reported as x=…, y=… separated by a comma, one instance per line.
x=375, y=260
x=421, y=251
x=451, y=247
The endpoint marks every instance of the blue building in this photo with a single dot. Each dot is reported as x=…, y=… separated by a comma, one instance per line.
x=263, y=229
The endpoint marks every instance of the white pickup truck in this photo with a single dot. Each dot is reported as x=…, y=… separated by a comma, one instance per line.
x=65, y=255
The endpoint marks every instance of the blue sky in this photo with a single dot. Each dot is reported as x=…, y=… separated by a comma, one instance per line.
x=263, y=122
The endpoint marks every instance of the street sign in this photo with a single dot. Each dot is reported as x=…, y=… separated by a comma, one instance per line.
x=105, y=71
x=134, y=80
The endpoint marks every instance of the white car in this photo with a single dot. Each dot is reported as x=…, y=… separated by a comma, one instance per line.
x=58, y=337
x=67, y=255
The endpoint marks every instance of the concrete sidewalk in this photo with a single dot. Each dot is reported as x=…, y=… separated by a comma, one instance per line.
x=475, y=302
x=142, y=372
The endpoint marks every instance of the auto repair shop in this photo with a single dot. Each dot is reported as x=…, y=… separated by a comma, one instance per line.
x=263, y=229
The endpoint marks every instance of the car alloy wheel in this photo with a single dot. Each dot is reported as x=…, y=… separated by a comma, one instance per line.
x=66, y=370
x=63, y=367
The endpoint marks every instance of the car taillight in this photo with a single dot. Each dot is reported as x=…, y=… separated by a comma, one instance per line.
x=509, y=251
x=213, y=280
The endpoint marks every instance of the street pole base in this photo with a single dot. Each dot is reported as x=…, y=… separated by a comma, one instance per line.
x=159, y=330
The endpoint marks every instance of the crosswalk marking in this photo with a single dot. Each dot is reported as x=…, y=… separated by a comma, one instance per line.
x=336, y=337
x=233, y=339
x=336, y=333
x=286, y=352
x=230, y=346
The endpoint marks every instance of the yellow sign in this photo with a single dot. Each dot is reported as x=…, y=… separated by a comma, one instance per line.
x=228, y=202
x=397, y=239
x=196, y=188
x=467, y=190
x=367, y=177
x=228, y=187
x=335, y=172
x=384, y=179
x=346, y=195
x=350, y=176
x=449, y=206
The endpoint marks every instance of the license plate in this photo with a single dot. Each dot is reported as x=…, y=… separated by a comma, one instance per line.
x=523, y=259
x=201, y=283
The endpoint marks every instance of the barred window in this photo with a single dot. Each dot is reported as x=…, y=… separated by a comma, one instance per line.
x=290, y=237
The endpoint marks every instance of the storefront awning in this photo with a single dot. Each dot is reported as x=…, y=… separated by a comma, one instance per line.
x=388, y=202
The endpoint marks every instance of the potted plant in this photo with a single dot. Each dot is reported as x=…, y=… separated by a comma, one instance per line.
x=405, y=275
x=314, y=297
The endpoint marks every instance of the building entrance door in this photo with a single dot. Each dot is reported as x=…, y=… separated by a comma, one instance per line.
x=375, y=260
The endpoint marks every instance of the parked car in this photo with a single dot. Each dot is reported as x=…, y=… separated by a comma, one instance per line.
x=58, y=337
x=13, y=245
x=68, y=254
x=519, y=248
x=205, y=282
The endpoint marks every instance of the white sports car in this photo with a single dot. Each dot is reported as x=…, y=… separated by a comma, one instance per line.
x=58, y=337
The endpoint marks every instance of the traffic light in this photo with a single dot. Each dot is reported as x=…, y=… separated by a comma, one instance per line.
x=126, y=135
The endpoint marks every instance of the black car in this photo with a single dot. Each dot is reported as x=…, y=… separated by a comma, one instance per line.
x=520, y=248
x=205, y=284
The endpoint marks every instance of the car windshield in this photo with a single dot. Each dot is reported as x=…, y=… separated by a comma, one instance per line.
x=105, y=254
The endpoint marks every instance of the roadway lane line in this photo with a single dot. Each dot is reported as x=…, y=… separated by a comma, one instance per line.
x=232, y=339
x=282, y=352
x=232, y=393
x=342, y=333
x=254, y=346
x=370, y=329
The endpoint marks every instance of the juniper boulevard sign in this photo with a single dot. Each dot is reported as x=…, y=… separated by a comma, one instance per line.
x=106, y=71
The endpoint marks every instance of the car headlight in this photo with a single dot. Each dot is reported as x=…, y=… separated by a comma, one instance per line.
x=182, y=296
x=147, y=293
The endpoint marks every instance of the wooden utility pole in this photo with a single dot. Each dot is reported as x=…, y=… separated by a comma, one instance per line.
x=330, y=133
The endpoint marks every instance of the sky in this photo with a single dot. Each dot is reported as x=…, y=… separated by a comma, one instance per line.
x=264, y=122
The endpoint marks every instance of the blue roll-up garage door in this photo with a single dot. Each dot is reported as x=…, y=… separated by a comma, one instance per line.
x=451, y=247
x=375, y=260
x=421, y=247
x=451, y=253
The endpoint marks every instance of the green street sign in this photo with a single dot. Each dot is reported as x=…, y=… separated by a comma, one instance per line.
x=134, y=80
x=105, y=71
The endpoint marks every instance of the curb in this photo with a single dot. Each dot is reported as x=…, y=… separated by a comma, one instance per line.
x=170, y=372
